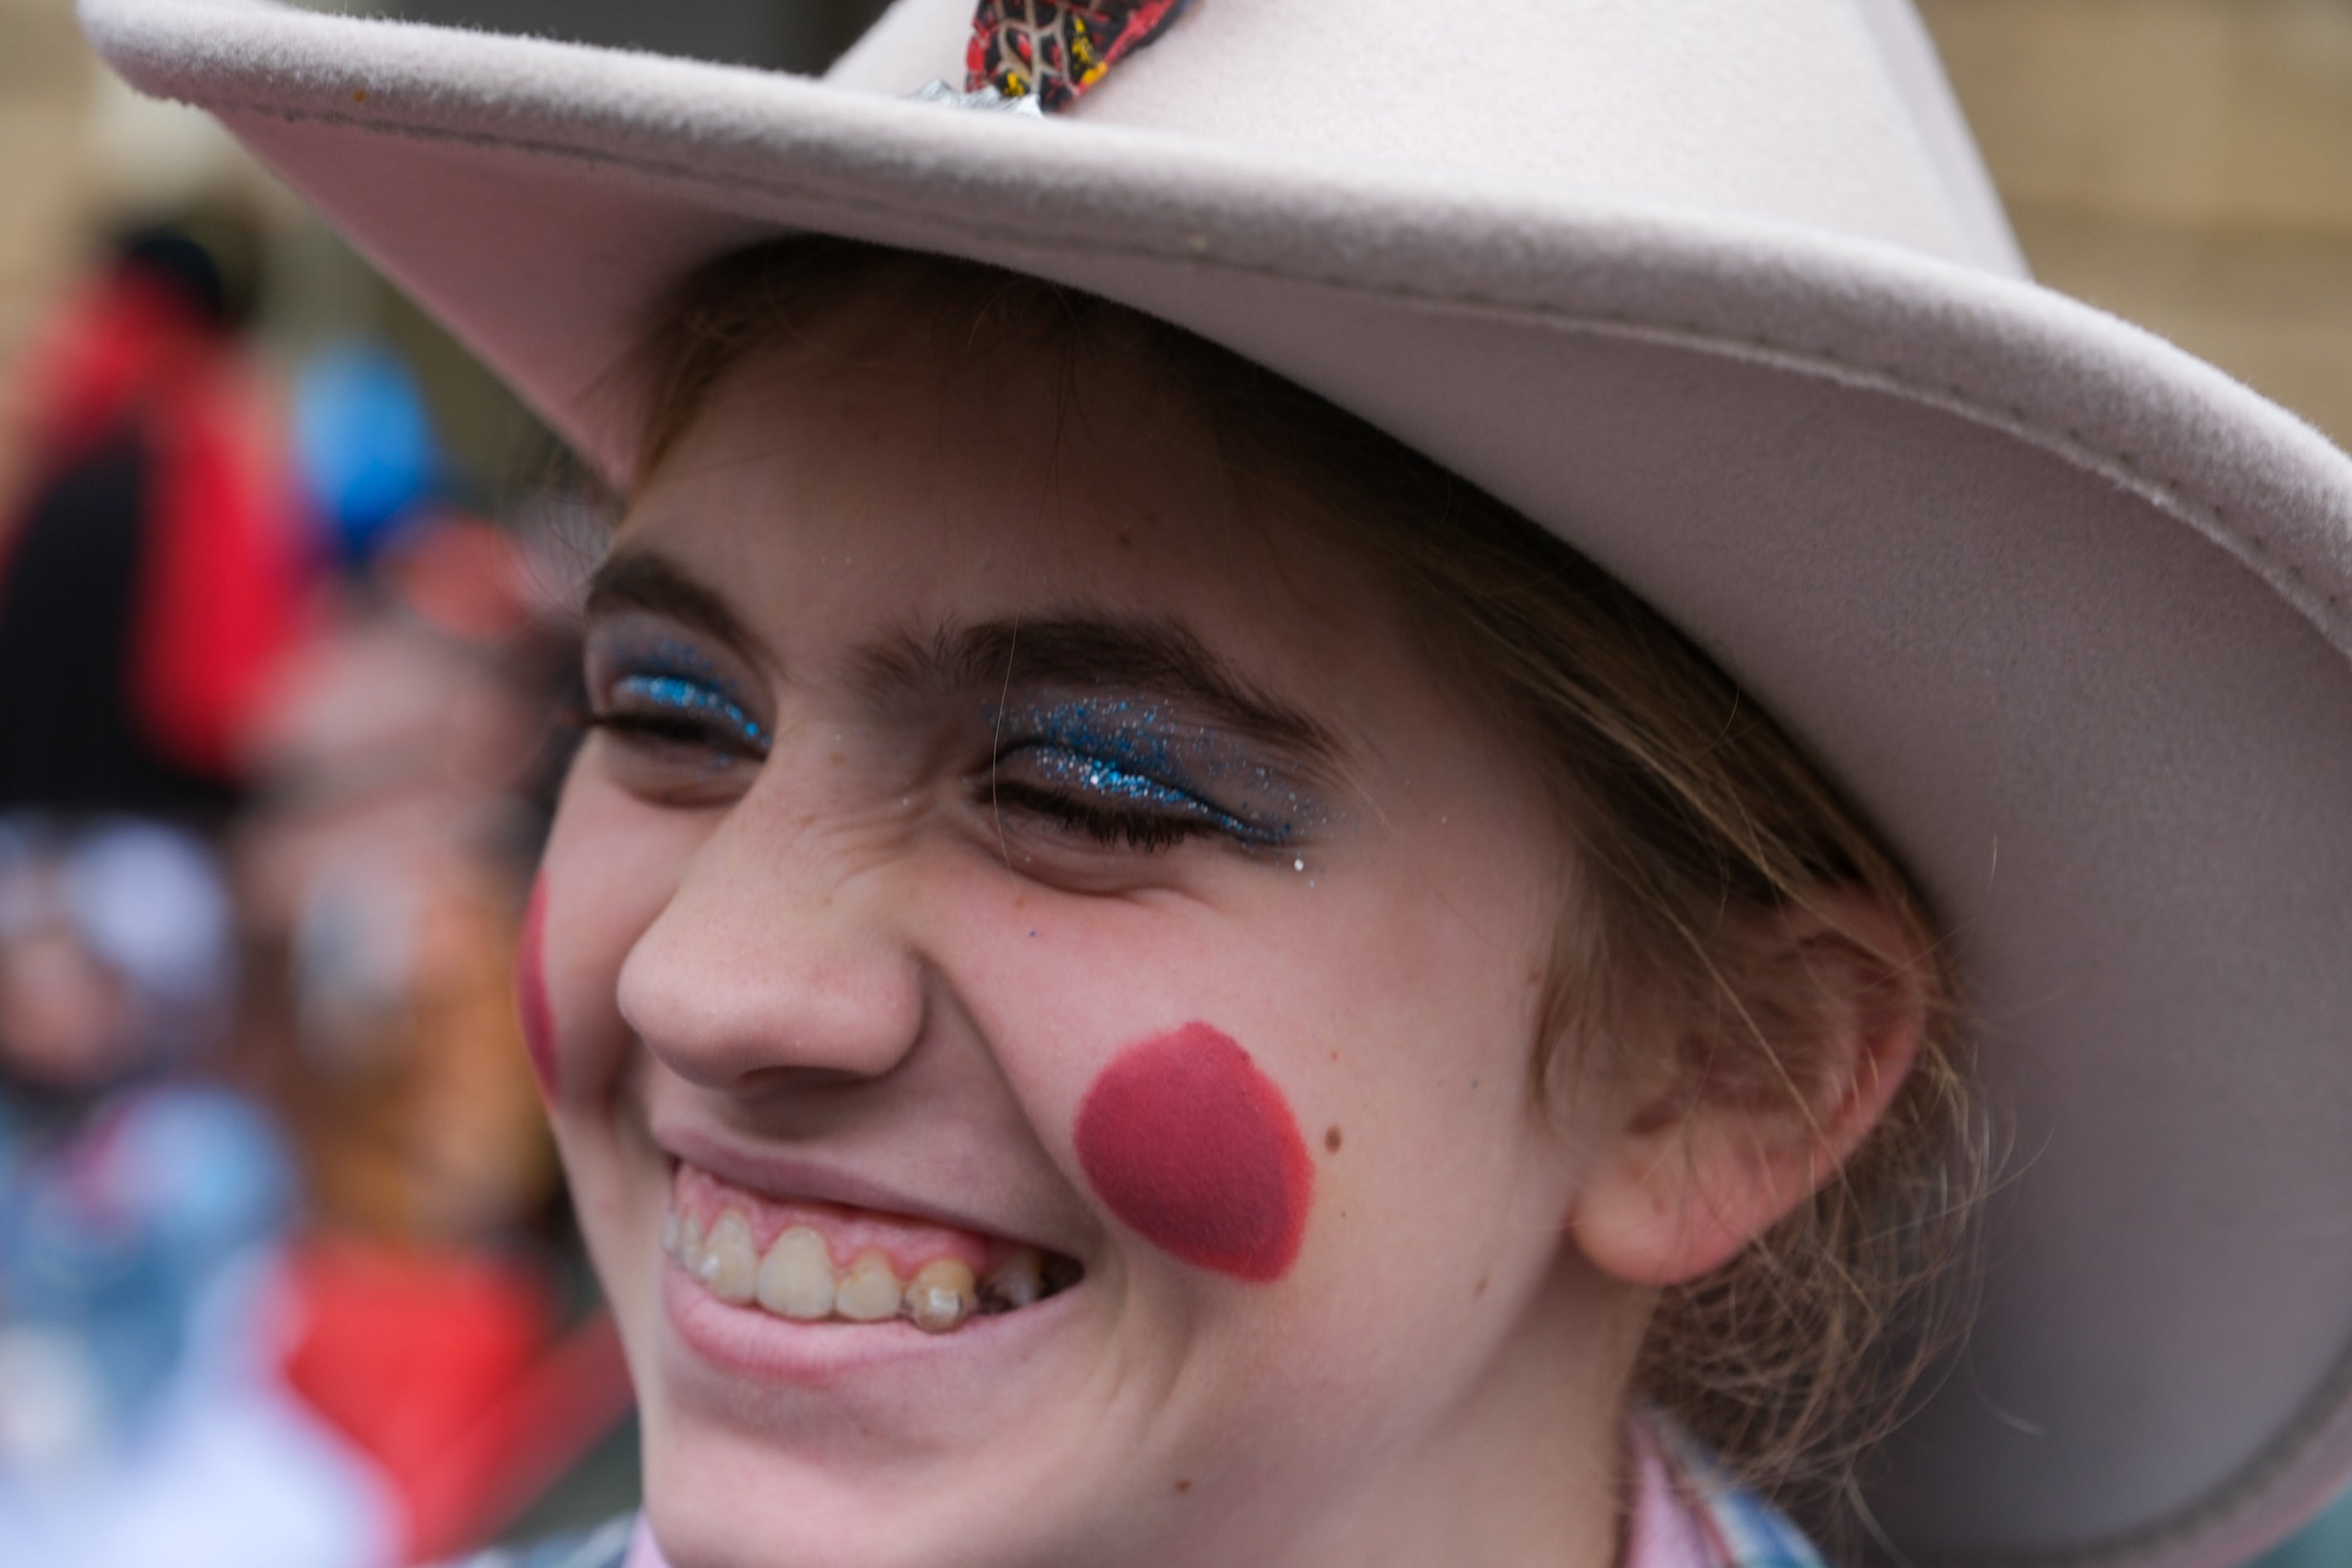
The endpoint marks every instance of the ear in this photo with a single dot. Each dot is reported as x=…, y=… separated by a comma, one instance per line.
x=1708, y=1152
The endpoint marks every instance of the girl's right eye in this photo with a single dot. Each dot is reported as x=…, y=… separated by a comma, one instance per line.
x=656, y=711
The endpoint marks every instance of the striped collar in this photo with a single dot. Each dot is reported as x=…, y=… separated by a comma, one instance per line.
x=1688, y=1513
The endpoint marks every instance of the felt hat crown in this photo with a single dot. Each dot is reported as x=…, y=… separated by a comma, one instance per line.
x=1718, y=292
x=1829, y=115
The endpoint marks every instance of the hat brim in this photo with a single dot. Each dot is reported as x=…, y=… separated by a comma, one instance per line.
x=2067, y=610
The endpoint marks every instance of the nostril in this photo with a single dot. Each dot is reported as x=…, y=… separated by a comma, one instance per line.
x=750, y=968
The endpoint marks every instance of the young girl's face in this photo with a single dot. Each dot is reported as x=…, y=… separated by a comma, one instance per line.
x=1016, y=857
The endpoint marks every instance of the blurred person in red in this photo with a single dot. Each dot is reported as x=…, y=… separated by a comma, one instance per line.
x=151, y=566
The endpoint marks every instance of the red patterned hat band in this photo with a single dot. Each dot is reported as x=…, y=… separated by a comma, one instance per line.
x=1056, y=50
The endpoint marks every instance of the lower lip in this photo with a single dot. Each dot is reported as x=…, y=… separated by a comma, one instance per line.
x=745, y=1342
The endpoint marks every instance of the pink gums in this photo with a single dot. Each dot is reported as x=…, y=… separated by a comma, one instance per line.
x=531, y=991
x=1196, y=1149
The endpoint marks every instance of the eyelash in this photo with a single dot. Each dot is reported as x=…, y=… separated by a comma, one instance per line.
x=1175, y=815
x=1147, y=832
x=682, y=710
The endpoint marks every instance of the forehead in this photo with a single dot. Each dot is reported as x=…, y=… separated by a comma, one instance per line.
x=899, y=462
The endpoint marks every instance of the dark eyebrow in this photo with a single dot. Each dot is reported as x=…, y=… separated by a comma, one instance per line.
x=641, y=579
x=1150, y=654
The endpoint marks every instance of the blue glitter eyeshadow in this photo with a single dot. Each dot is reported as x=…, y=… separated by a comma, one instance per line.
x=1142, y=754
x=690, y=697
x=1089, y=775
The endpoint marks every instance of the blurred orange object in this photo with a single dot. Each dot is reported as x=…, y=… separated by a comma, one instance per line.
x=448, y=1370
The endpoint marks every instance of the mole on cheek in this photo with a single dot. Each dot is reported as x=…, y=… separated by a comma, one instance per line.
x=1196, y=1149
x=531, y=991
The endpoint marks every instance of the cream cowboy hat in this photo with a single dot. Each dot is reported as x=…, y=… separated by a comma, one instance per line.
x=1718, y=290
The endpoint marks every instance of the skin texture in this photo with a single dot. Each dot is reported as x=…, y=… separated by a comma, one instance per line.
x=828, y=927
x=531, y=991
x=1196, y=1150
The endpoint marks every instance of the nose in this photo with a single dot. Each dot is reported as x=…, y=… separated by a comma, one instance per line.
x=777, y=956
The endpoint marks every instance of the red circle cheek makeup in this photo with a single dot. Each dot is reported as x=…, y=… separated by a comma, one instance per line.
x=531, y=991
x=1196, y=1149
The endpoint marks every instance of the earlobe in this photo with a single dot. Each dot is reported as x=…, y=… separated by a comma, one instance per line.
x=1764, y=1100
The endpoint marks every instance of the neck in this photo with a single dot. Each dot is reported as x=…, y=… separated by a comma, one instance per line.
x=1530, y=1466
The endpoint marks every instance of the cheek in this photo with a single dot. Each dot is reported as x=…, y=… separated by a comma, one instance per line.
x=1195, y=1149
x=531, y=991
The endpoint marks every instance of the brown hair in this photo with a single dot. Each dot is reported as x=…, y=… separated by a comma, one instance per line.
x=1694, y=814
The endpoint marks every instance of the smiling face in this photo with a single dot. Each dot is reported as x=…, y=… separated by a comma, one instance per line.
x=1010, y=856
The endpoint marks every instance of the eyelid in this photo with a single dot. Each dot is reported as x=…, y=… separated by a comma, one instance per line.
x=1105, y=779
x=640, y=668
x=686, y=696
x=1139, y=753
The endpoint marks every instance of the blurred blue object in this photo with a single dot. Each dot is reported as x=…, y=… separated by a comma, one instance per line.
x=144, y=1417
x=363, y=444
x=110, y=1238
x=144, y=1412
x=125, y=1194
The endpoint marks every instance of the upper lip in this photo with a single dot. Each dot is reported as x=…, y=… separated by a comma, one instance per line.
x=783, y=1177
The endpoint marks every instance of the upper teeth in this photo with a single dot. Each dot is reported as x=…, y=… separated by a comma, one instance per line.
x=796, y=1278
x=728, y=1266
x=941, y=1295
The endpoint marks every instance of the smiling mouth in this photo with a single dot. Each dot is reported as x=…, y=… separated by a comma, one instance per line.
x=812, y=1262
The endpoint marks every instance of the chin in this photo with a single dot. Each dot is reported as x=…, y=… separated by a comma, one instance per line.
x=777, y=1446
x=722, y=1499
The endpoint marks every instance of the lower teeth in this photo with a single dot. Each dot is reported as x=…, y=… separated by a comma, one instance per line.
x=796, y=1278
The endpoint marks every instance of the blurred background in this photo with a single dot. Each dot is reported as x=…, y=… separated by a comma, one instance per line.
x=286, y=1271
